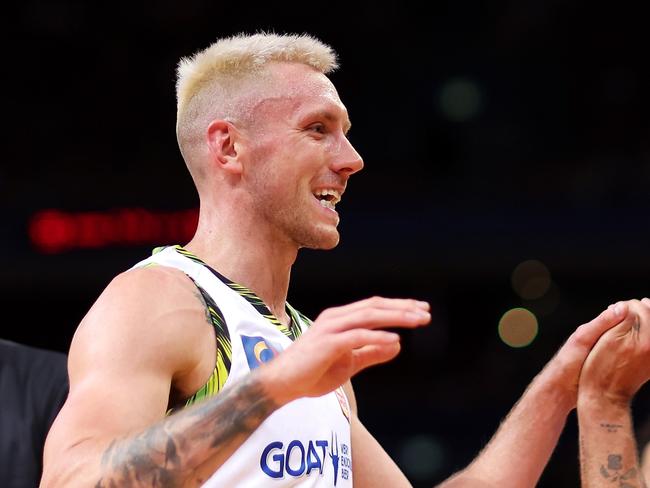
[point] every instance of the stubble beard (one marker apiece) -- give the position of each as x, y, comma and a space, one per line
295, 220
290, 217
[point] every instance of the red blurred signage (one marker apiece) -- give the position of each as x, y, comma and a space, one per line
55, 231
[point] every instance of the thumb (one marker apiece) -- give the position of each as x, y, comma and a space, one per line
618, 331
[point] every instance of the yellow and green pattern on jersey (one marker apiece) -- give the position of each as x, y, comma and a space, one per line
224, 347
224, 352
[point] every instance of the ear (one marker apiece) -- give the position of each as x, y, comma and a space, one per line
222, 140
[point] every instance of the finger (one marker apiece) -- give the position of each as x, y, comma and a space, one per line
374, 318
351, 340
371, 355
630, 322
377, 302
587, 334
643, 310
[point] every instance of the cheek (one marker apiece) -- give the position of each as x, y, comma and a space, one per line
262, 163
289, 168
261, 151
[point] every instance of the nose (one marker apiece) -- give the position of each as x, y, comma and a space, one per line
347, 161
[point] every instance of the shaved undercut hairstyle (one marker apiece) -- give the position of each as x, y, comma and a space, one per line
225, 80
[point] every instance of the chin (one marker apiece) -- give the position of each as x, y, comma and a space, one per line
326, 246
323, 240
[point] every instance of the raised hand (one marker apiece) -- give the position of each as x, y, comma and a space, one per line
620, 362
562, 372
341, 342
618, 365
528, 435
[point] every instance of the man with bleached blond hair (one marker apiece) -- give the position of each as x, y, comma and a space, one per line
192, 369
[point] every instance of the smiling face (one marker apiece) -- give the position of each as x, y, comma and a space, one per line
299, 158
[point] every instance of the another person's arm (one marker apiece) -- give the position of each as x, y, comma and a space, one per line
614, 371
143, 335
520, 449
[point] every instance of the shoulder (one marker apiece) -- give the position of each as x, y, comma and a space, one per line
152, 314
144, 291
163, 280
135, 299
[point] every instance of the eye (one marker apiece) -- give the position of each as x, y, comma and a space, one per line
319, 128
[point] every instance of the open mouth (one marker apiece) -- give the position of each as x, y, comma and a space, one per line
328, 197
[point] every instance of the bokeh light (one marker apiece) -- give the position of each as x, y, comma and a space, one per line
518, 327
460, 99
422, 457
546, 305
531, 279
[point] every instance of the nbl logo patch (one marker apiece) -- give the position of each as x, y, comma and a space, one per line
258, 350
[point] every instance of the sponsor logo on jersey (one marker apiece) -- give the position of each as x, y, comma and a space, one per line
258, 350
307, 458
334, 455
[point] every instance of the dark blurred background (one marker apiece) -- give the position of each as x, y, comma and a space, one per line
507, 150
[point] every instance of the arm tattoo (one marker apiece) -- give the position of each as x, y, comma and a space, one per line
166, 454
611, 427
613, 474
205, 306
614, 461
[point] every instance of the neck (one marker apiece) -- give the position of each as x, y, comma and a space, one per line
248, 254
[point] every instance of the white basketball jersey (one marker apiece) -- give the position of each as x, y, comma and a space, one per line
306, 443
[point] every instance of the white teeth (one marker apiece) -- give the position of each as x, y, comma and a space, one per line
328, 192
327, 204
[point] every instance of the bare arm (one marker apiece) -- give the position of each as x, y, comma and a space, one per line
608, 451
113, 424
616, 368
528, 435
143, 335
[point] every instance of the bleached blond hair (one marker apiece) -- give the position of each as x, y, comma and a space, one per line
217, 82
